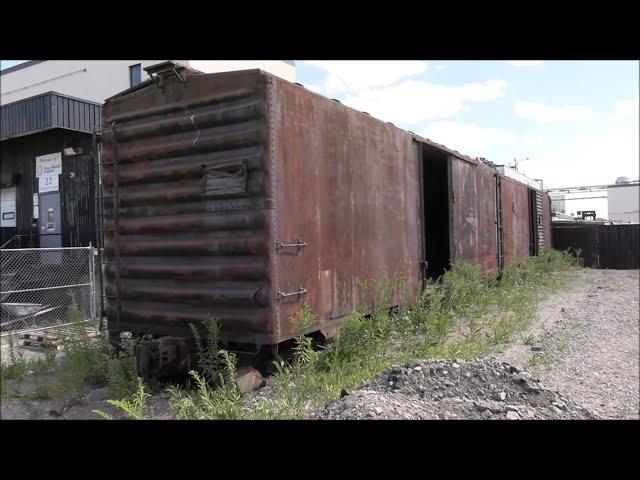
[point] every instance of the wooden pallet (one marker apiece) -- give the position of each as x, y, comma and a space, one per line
39, 341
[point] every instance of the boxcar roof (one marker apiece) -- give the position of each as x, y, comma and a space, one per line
415, 136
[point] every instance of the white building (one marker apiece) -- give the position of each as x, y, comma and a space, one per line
574, 201
97, 80
624, 200
49, 110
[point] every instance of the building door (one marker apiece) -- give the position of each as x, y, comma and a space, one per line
49, 221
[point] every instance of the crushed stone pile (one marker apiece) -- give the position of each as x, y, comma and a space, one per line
453, 389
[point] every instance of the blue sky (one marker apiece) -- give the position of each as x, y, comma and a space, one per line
9, 63
576, 121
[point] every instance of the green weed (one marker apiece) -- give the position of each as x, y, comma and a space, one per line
133, 406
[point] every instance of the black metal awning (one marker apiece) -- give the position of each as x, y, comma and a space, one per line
46, 111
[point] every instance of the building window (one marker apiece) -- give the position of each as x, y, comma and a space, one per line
135, 74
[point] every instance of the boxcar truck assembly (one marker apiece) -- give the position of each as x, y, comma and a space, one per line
243, 196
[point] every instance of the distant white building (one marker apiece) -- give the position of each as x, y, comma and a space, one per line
624, 202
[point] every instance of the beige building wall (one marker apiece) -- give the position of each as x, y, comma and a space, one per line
97, 80
624, 203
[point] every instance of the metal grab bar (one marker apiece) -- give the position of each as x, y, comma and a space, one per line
301, 291
299, 245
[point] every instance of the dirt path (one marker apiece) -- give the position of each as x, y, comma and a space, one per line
585, 342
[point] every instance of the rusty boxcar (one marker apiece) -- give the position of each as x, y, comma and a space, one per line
244, 196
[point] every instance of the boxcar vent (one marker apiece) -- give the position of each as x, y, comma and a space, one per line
225, 179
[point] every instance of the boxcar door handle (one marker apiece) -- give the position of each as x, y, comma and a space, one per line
299, 245
301, 291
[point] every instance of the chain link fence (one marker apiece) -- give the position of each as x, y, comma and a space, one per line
43, 288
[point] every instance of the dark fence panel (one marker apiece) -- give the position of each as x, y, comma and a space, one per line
601, 246
578, 237
619, 246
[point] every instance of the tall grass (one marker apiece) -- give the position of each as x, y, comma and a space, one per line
84, 362
462, 315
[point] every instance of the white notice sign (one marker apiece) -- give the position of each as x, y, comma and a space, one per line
49, 164
48, 167
48, 183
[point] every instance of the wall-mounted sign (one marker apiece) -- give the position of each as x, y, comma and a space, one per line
49, 164
48, 183
48, 167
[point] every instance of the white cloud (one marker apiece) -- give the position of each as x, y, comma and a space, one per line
467, 138
525, 63
344, 75
544, 114
628, 108
314, 87
592, 160
531, 139
440, 67
413, 101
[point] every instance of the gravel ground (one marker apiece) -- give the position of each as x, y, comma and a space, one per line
586, 342
453, 389
583, 347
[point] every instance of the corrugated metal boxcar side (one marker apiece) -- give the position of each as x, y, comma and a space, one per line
345, 184
244, 196
344, 187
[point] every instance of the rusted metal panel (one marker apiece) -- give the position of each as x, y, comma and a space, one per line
347, 185
473, 214
487, 246
515, 211
464, 217
186, 247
